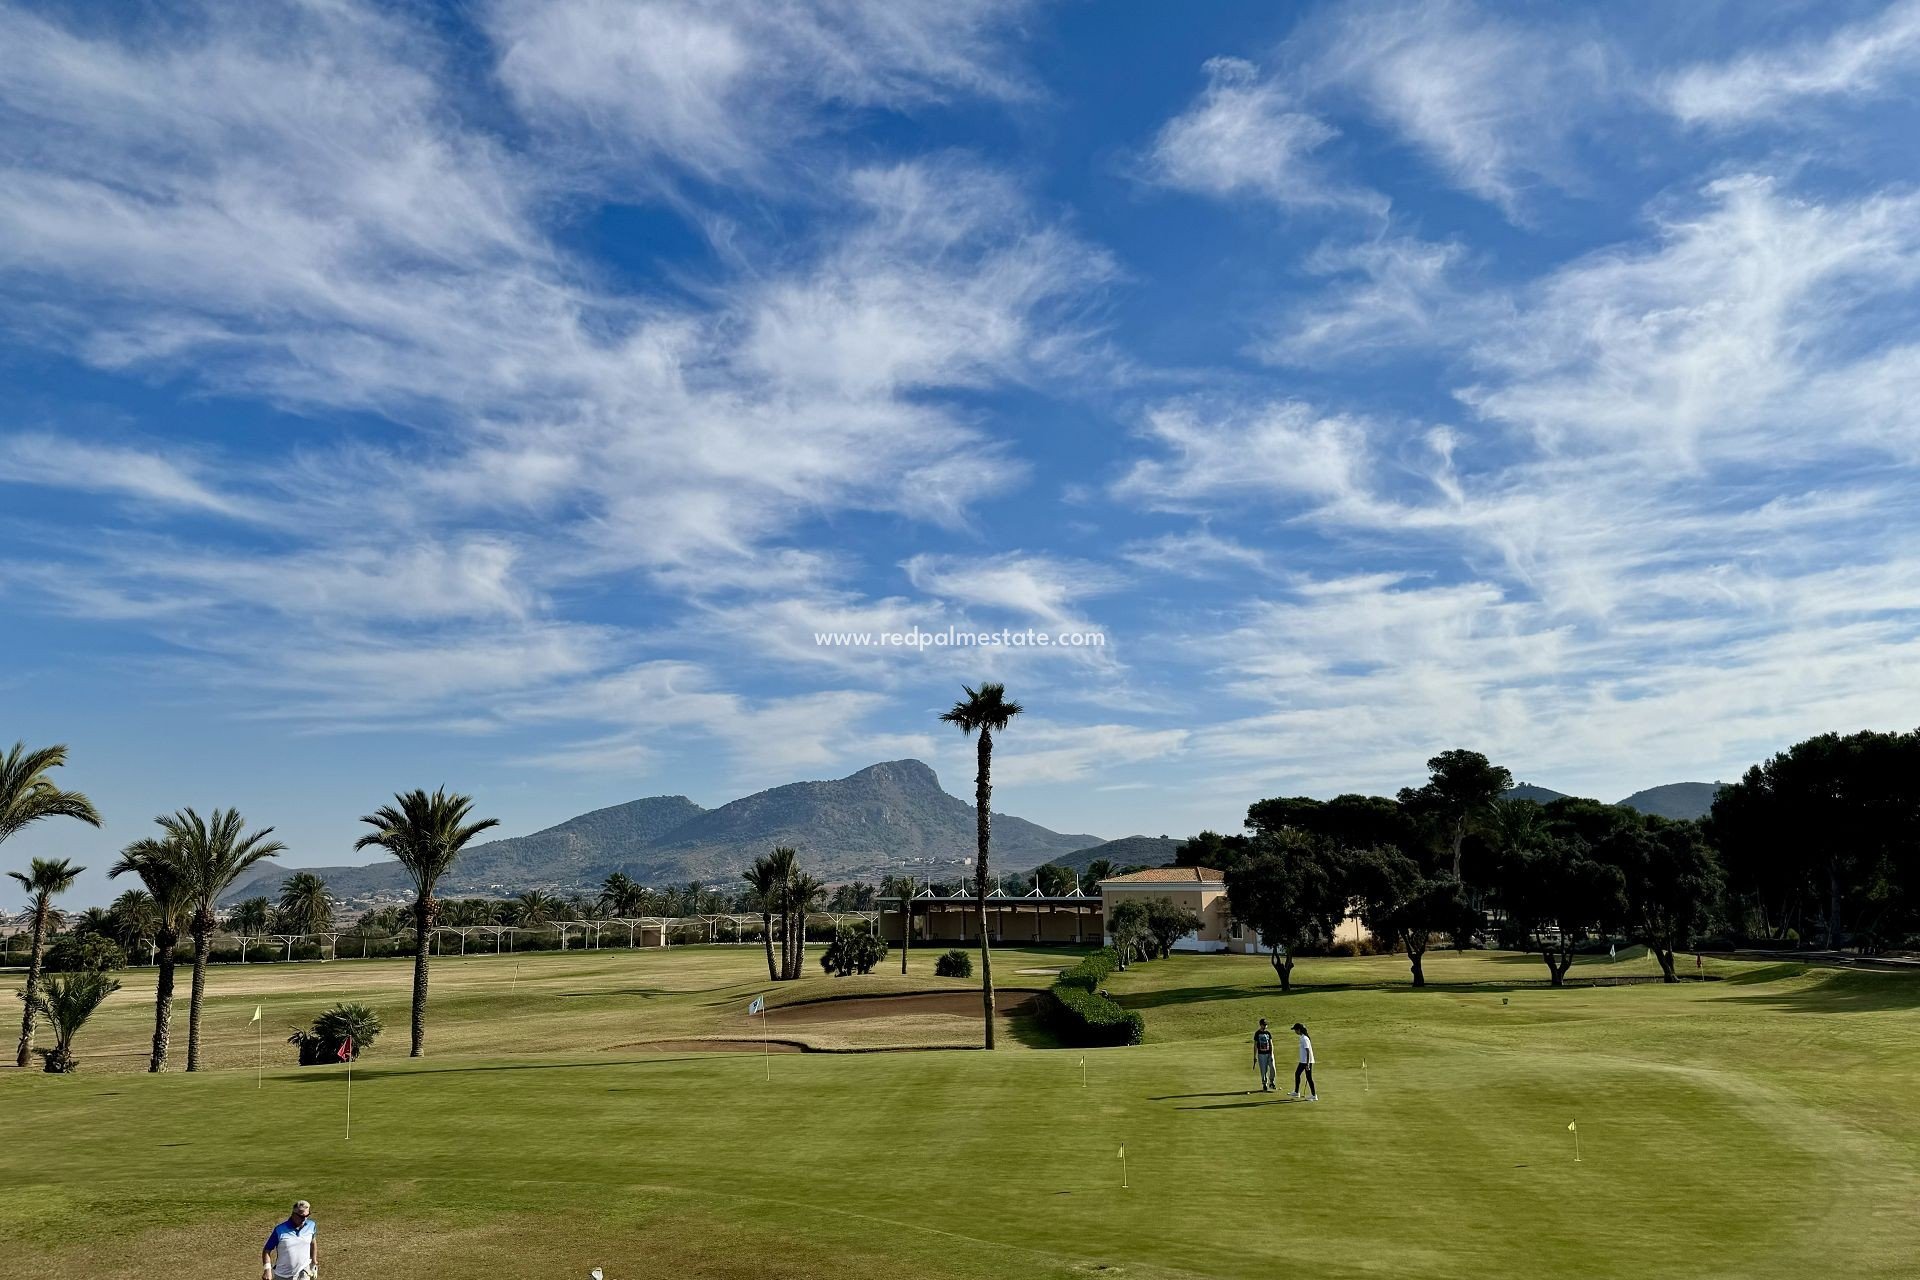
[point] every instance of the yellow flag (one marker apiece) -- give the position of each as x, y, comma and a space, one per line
1123, 1151
1572, 1127
256, 1014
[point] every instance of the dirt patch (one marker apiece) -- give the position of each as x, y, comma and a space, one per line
713, 1046
1054, 972
956, 1004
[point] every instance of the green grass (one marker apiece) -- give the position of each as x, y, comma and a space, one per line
1764, 1125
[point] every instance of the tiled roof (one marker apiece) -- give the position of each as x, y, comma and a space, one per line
1170, 875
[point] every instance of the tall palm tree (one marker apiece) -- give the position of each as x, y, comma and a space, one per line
157, 863
764, 886
213, 852
66, 1004
250, 918
27, 795
95, 920
304, 904
534, 908
425, 833
622, 896
982, 713
804, 894
44, 880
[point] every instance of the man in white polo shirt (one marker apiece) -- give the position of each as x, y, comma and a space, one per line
291, 1252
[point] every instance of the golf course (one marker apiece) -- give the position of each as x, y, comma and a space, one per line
574, 1110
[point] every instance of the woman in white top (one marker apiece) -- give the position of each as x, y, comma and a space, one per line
1306, 1065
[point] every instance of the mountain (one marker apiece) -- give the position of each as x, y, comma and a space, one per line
1127, 851
1527, 791
844, 828
1675, 799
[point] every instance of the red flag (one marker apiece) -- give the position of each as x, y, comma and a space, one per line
346, 1049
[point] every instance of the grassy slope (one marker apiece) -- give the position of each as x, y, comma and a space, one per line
1765, 1125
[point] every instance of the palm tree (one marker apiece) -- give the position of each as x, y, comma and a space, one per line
44, 880
27, 795
95, 920
213, 851
622, 896
804, 894
983, 712
157, 863
426, 833
66, 1004
250, 918
534, 908
1099, 869
133, 920
764, 886
304, 904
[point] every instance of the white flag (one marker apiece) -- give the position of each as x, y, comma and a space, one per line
1613, 952
256, 1015
1573, 1126
759, 1005
1123, 1151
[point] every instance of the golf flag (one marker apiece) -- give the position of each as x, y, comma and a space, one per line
345, 1052
1123, 1151
759, 1005
1572, 1127
1613, 952
256, 1014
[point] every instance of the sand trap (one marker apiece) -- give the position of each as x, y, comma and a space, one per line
713, 1046
1054, 972
957, 1004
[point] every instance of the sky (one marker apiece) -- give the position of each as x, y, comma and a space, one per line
503, 395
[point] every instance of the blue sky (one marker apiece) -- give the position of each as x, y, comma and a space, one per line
503, 395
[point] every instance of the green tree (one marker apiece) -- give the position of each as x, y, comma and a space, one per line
804, 894
1292, 892
981, 714
533, 909
620, 895
1097, 870
320, 1044
1130, 928
28, 795
1401, 905
44, 880
250, 918
766, 891
425, 834
305, 906
134, 919
1211, 849
213, 852
1672, 882
1556, 895
1461, 788
1168, 923
158, 865
66, 1003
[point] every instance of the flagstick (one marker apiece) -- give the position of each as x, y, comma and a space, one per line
349, 1097
766, 1045
1083, 1073
1576, 1146
1123, 1168
1366, 1080
259, 1058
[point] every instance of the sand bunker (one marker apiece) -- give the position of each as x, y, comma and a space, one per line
713, 1046
958, 1004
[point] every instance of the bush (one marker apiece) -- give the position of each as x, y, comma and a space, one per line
954, 964
321, 1044
1076, 1011
84, 953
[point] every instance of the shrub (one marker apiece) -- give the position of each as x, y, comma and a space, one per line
321, 1044
84, 953
954, 964
1076, 1011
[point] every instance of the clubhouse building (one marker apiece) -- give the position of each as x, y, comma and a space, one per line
1076, 918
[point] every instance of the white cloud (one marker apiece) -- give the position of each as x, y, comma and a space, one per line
1488, 100
1391, 293
1041, 589
1042, 752
1244, 135
58, 462
1859, 60
720, 87
1198, 553
1282, 452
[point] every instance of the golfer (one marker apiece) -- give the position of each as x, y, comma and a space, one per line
291, 1252
1306, 1065
1263, 1058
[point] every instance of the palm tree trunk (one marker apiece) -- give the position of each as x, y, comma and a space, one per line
422, 917
983, 819
201, 941
33, 981
162, 999
766, 929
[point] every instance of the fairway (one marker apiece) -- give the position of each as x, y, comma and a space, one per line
1765, 1124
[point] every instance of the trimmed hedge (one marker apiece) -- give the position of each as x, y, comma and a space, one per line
1076, 1011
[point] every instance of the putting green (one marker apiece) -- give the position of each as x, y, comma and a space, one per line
1764, 1125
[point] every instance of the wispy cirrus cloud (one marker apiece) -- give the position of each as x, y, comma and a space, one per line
1857, 60
55, 461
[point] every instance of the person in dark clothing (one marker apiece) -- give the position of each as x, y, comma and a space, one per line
1263, 1058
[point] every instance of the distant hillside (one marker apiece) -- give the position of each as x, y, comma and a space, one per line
852, 826
1678, 800
1150, 851
1539, 795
